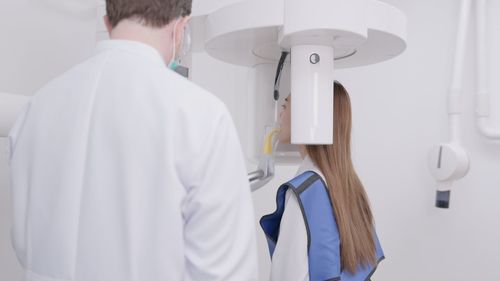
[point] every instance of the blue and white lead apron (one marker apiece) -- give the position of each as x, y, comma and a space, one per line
323, 239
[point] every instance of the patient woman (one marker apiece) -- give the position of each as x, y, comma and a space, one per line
323, 228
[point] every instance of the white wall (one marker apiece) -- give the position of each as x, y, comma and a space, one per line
399, 113
42, 38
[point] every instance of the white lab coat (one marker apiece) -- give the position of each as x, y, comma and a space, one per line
122, 170
291, 260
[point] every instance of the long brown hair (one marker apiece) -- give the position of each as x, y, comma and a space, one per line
351, 205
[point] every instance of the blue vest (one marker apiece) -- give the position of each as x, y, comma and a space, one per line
323, 241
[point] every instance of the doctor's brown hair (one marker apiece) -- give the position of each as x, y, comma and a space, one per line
351, 205
154, 13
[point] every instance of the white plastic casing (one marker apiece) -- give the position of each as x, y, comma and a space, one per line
362, 32
338, 23
312, 94
448, 163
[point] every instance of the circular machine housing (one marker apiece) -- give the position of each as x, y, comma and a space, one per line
252, 32
353, 32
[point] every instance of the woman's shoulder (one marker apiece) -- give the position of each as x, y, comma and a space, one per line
308, 166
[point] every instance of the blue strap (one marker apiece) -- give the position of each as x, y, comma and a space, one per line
322, 232
271, 223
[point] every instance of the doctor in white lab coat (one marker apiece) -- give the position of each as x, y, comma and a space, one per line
122, 170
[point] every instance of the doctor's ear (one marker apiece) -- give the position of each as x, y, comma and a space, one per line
108, 24
181, 25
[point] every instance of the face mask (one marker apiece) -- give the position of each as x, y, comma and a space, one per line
173, 65
185, 46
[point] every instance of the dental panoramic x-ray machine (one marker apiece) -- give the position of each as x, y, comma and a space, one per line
312, 37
